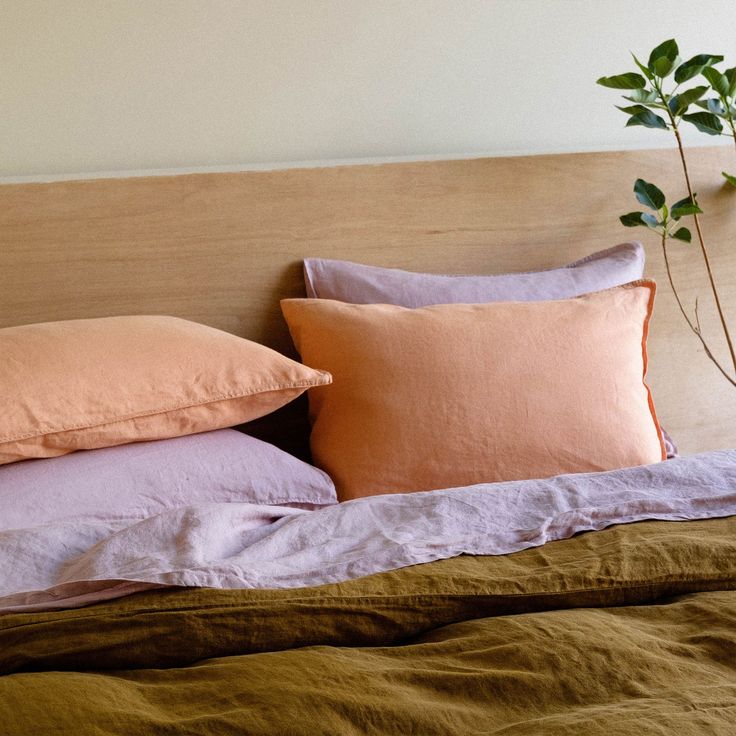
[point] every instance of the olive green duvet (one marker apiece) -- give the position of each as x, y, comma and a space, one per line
630, 630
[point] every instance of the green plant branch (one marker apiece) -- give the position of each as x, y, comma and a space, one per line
727, 113
649, 98
703, 249
701, 240
695, 327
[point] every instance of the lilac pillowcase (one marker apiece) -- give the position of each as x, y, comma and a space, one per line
356, 283
138, 480
359, 284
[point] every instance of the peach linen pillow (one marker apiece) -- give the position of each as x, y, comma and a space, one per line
92, 383
456, 394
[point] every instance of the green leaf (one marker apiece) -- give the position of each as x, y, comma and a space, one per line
648, 119
682, 234
692, 67
633, 109
637, 219
650, 221
730, 74
649, 195
647, 96
686, 206
685, 210
664, 67
705, 122
643, 68
718, 81
729, 178
630, 80
665, 52
713, 105
680, 103
686, 200
632, 219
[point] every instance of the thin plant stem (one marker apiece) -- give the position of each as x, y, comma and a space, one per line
695, 327
701, 240
704, 250
730, 120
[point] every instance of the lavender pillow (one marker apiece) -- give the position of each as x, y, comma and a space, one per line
359, 284
141, 479
356, 283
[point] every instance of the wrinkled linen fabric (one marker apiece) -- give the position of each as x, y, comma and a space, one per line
146, 478
357, 283
82, 384
456, 394
627, 631
236, 545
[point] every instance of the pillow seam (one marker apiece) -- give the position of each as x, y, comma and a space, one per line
154, 412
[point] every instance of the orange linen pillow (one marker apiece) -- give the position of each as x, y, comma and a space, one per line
456, 394
91, 383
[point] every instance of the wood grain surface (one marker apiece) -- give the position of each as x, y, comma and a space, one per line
223, 248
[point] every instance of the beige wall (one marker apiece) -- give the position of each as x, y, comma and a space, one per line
100, 85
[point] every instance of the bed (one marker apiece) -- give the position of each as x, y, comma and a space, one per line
615, 624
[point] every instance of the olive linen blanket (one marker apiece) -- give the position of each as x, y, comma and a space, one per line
628, 630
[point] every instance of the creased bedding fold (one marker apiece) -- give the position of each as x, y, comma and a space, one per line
620, 632
621, 566
245, 546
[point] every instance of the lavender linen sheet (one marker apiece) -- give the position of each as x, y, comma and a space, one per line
240, 545
358, 283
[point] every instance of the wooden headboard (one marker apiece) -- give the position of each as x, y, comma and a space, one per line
223, 248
